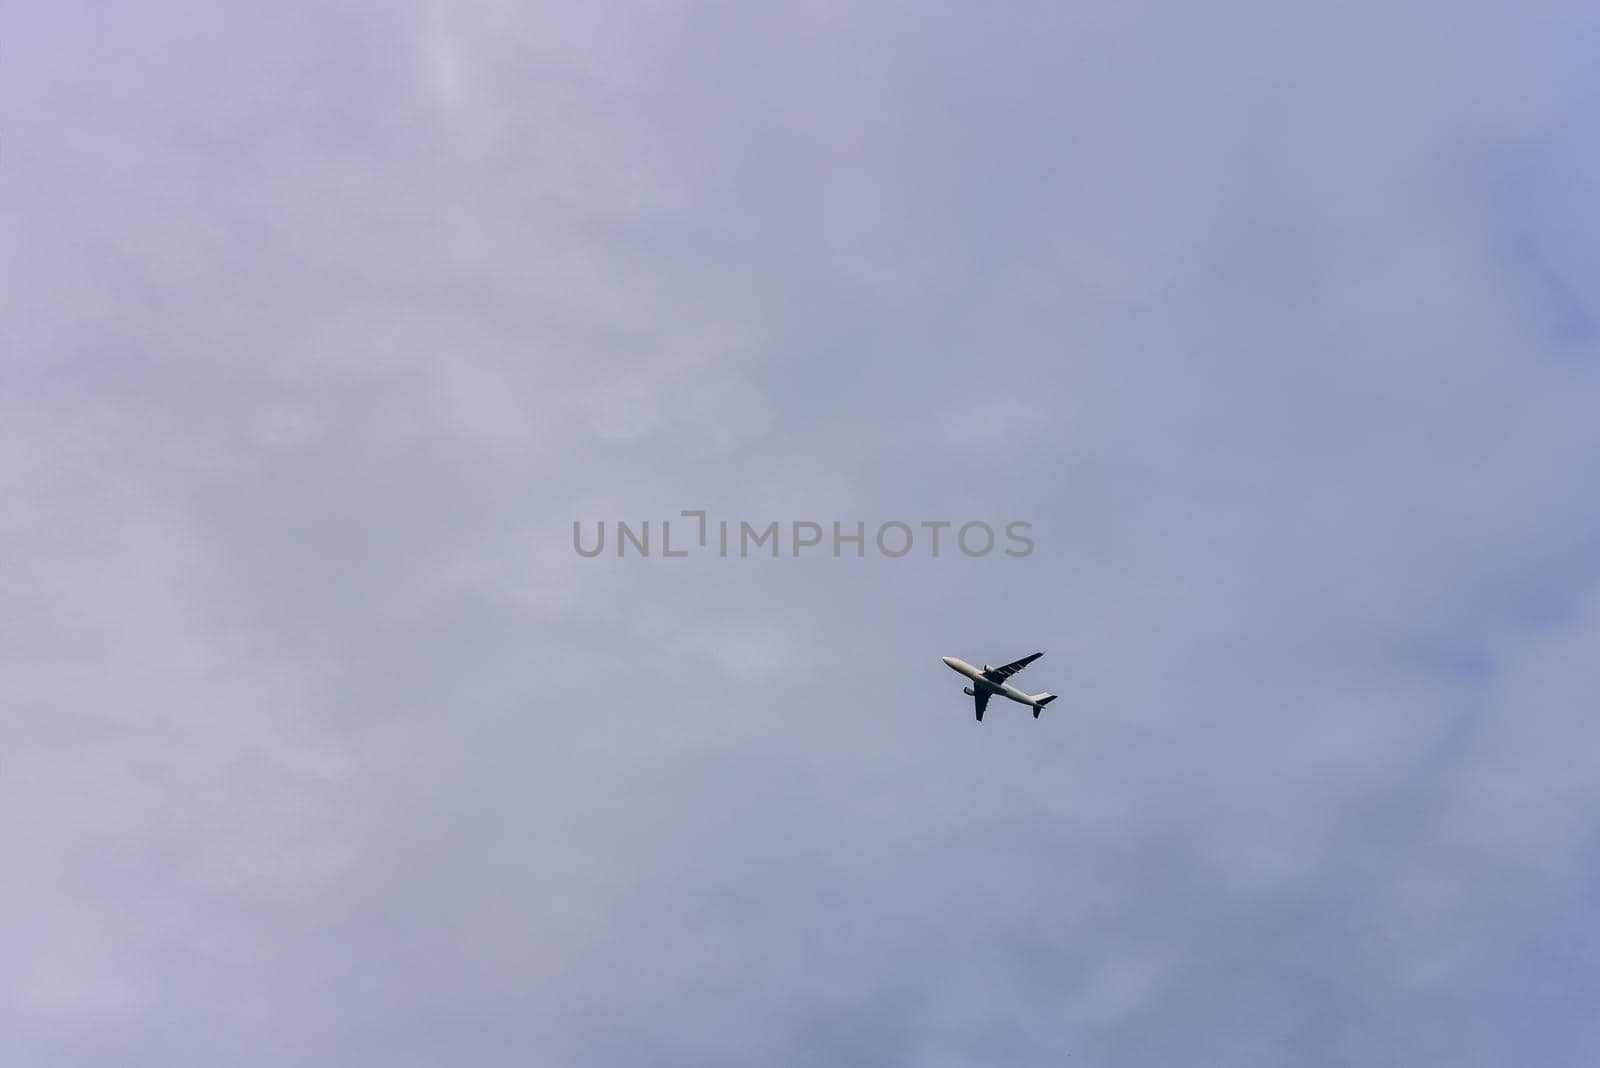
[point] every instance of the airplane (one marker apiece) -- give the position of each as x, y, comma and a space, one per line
989, 681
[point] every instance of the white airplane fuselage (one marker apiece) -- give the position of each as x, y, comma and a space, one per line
983, 684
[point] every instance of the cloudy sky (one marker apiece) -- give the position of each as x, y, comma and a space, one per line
320, 325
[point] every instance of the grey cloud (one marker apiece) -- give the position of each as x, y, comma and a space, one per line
322, 324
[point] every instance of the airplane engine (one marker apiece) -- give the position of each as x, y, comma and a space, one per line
968, 692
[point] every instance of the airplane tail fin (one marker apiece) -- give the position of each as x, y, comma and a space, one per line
1040, 700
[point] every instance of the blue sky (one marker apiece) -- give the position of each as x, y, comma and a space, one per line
321, 324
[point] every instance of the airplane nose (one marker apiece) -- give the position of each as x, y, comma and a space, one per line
946, 660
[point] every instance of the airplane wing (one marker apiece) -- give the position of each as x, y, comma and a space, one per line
1004, 672
980, 700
